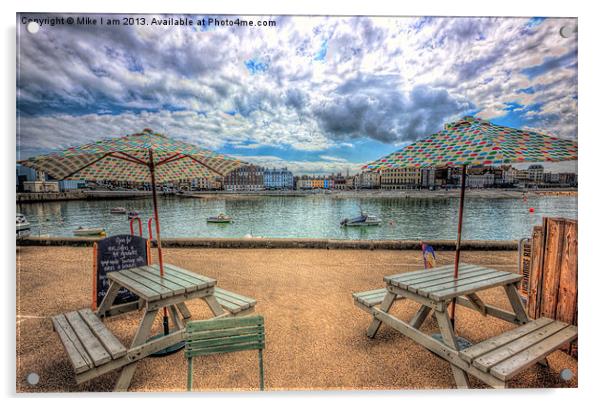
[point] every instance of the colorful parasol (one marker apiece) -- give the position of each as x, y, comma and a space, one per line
473, 141
142, 157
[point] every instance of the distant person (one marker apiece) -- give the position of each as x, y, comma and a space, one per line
428, 256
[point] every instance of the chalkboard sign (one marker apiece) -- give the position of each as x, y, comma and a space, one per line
114, 254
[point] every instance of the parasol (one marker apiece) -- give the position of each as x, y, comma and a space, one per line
474, 141
142, 157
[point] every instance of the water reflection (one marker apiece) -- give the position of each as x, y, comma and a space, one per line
315, 216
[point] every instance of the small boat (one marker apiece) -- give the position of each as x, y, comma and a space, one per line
363, 220
221, 218
84, 232
23, 226
133, 214
118, 210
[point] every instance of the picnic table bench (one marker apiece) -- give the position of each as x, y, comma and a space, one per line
493, 361
93, 350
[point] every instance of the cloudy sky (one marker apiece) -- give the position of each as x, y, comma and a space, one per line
316, 94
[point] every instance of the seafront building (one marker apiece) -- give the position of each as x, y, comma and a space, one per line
245, 179
278, 179
401, 178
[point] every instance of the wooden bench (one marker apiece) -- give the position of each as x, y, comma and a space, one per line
370, 298
233, 302
504, 356
88, 343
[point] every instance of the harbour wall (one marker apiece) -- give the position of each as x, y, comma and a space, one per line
286, 243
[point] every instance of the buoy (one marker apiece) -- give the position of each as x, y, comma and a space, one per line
531, 210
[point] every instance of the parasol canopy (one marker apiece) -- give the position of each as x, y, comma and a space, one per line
127, 159
474, 141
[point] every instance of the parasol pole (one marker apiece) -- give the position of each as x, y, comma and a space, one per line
151, 166
458, 241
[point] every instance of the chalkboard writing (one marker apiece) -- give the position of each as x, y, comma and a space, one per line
114, 254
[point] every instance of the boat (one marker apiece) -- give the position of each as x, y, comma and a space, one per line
221, 218
118, 210
133, 214
363, 220
85, 232
23, 226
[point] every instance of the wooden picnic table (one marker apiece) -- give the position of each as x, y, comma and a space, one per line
434, 289
171, 291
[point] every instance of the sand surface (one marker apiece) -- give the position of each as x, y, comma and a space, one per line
316, 337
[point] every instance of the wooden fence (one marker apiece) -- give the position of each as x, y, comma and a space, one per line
552, 282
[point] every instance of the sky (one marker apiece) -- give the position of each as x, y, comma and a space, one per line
314, 94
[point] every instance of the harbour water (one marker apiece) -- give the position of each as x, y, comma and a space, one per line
315, 216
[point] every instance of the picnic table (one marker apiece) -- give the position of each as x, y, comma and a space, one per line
94, 350
493, 361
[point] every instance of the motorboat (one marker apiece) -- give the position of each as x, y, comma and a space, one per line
118, 210
221, 218
87, 232
23, 226
363, 220
133, 214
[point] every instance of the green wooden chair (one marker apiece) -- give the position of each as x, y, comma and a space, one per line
223, 335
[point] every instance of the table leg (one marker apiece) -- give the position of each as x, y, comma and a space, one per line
516, 303
420, 316
109, 298
184, 311
214, 305
176, 317
449, 338
144, 330
384, 306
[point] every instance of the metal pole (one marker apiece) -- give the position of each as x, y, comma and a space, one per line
458, 241
158, 228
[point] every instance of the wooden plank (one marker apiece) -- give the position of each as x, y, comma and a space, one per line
109, 298
76, 353
409, 275
184, 310
175, 317
107, 339
193, 344
474, 287
159, 303
208, 325
494, 357
495, 342
143, 278
233, 297
143, 272
174, 273
551, 269
134, 286
450, 281
512, 366
229, 332
566, 308
225, 349
209, 281
537, 244
369, 292
516, 302
91, 344
425, 300
430, 277
189, 284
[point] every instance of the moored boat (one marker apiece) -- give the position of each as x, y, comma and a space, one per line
93, 231
133, 214
363, 220
118, 210
221, 218
23, 226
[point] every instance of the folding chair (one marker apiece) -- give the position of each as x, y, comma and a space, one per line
224, 335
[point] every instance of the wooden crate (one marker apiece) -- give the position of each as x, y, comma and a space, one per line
552, 282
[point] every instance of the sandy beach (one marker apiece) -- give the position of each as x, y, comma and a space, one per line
315, 336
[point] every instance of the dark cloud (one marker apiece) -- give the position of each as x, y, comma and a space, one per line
376, 107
